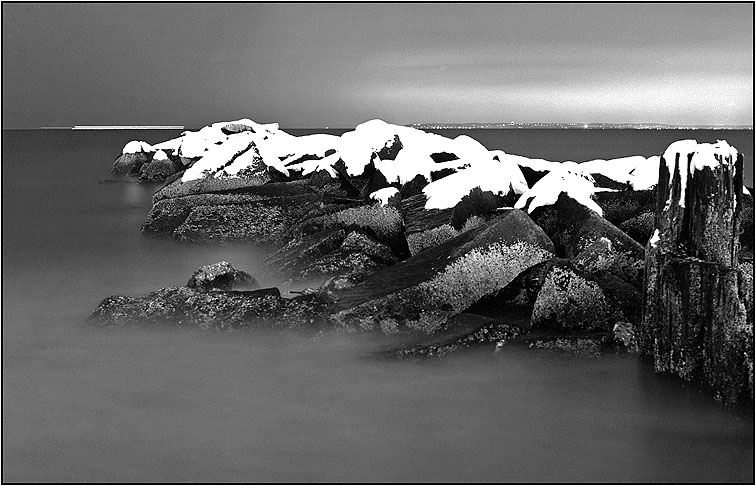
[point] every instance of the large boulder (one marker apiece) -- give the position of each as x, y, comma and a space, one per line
573, 227
223, 217
570, 300
421, 293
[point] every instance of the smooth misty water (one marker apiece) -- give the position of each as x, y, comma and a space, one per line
140, 405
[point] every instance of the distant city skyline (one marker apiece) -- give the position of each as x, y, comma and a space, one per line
337, 65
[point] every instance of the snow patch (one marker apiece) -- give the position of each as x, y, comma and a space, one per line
654, 239
497, 176
136, 146
160, 155
701, 155
568, 179
219, 156
383, 195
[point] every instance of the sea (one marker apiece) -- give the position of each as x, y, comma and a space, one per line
156, 405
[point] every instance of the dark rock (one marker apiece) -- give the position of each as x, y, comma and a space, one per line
573, 227
130, 164
291, 259
423, 292
746, 223
261, 222
252, 185
640, 228
223, 214
479, 203
232, 128
440, 157
600, 180
417, 219
221, 275
440, 174
217, 310
620, 206
391, 149
532, 176
157, 170
413, 187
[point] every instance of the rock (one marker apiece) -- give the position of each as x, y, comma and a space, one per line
421, 293
257, 185
640, 227
573, 227
461, 331
620, 206
130, 163
217, 310
222, 276
232, 128
746, 223
159, 168
602, 256
414, 187
479, 203
217, 217
589, 346
570, 300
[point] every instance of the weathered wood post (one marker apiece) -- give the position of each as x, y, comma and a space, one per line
695, 321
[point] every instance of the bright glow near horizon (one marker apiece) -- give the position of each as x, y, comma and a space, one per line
315, 65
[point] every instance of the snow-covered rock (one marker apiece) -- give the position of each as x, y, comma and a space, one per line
568, 178
218, 156
498, 176
136, 146
384, 195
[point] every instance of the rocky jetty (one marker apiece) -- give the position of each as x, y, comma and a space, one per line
434, 242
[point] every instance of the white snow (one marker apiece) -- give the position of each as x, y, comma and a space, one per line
383, 195
160, 155
136, 146
218, 156
679, 150
713, 155
746, 191
654, 238
568, 179
248, 158
492, 175
701, 155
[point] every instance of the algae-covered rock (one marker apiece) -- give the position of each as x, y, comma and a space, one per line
421, 293
220, 275
569, 300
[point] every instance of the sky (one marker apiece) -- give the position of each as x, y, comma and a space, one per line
337, 65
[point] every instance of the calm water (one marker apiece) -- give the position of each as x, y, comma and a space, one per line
138, 405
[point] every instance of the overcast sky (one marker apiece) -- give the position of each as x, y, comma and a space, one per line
316, 65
